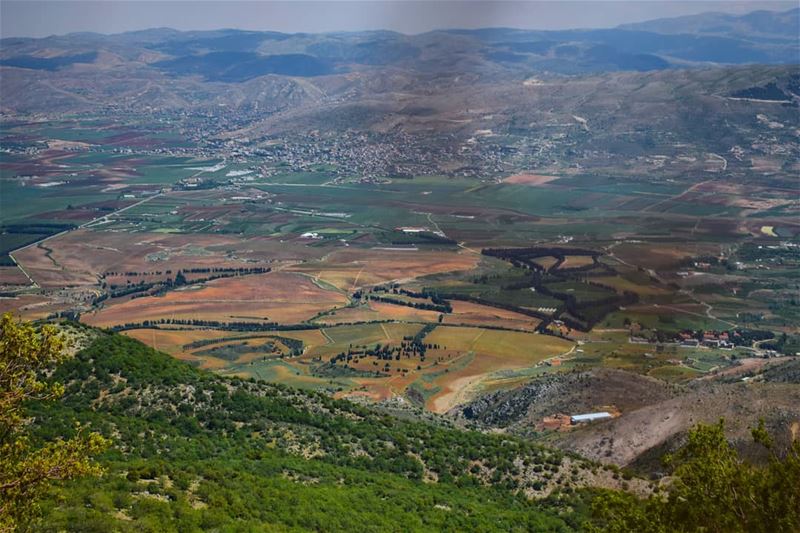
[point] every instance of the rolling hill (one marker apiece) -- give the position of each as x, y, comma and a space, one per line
195, 451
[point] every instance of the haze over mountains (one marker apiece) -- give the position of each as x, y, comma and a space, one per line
437, 83
237, 56
764, 24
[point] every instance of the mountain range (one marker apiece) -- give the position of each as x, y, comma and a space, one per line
236, 56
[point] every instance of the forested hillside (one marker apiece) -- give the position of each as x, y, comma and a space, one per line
193, 451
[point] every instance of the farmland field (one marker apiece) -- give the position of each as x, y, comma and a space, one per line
357, 248
427, 288
489, 351
336, 261
276, 297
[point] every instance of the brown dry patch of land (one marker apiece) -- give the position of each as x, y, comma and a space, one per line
743, 366
546, 262
31, 306
760, 204
529, 179
622, 440
348, 269
12, 276
457, 391
114, 175
387, 386
362, 313
310, 337
374, 310
173, 341
78, 257
484, 315
274, 297
576, 261
58, 144
723, 187
375, 390
745, 196
404, 313
661, 256
45, 268
476, 354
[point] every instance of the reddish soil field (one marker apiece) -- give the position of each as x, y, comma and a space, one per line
12, 276
661, 256
529, 179
576, 261
351, 268
31, 307
476, 314
275, 297
379, 311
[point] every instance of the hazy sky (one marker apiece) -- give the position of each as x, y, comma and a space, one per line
39, 18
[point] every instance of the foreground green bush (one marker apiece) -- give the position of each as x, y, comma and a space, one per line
712, 490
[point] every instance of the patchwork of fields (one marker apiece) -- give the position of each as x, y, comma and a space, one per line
387, 289
461, 362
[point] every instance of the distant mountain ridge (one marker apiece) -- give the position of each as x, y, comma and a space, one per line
235, 56
767, 24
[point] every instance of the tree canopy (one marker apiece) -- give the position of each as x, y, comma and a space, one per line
25, 470
712, 490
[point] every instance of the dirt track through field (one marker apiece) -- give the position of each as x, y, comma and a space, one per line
676, 197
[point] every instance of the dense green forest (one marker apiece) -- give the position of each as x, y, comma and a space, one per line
192, 451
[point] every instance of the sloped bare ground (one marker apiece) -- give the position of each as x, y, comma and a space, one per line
580, 392
655, 416
663, 424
